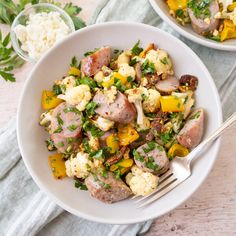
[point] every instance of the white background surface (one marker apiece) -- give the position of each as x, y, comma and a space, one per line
210, 211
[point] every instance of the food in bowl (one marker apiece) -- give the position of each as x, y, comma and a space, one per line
118, 118
214, 19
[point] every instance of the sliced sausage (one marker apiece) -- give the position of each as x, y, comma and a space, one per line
107, 189
138, 72
191, 134
93, 63
203, 27
151, 157
188, 82
168, 85
121, 110
66, 126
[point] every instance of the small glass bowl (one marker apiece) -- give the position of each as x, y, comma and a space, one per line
23, 17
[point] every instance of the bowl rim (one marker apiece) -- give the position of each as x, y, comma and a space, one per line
54, 196
202, 41
14, 40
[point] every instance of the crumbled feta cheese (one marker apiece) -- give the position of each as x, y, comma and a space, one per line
161, 60
141, 183
104, 124
110, 94
79, 166
79, 96
41, 33
126, 70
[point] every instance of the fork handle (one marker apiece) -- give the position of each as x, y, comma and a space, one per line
194, 153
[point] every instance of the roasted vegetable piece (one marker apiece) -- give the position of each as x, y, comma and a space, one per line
149, 47
123, 165
232, 6
111, 81
177, 150
127, 134
50, 100
57, 165
171, 104
177, 4
74, 71
229, 30
112, 141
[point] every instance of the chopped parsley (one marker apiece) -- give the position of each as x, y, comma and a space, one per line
195, 116
137, 156
185, 99
60, 144
72, 127
166, 137
148, 67
215, 38
151, 146
179, 13
136, 50
133, 61
59, 120
91, 52
79, 184
164, 61
90, 108
95, 132
201, 9
119, 85
97, 154
103, 173
72, 109
69, 140
151, 164
56, 89
58, 130
130, 79
88, 81
74, 62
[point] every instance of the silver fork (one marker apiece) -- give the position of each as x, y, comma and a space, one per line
179, 169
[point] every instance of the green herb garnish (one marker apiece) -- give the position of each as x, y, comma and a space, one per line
148, 67
72, 127
79, 184
137, 156
164, 61
136, 50
90, 108
133, 61
151, 146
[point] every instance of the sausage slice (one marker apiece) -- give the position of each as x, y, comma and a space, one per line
191, 134
121, 110
107, 189
168, 85
203, 27
151, 157
93, 63
66, 126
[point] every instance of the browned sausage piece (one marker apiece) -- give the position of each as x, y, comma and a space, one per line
93, 63
191, 134
121, 110
203, 27
66, 126
151, 157
107, 189
168, 85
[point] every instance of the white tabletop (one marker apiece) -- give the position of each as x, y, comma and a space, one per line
210, 211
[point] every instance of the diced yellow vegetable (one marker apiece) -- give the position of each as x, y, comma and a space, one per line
74, 71
127, 134
122, 78
144, 52
229, 30
171, 104
126, 163
112, 141
111, 81
232, 6
57, 165
124, 170
50, 100
177, 4
177, 150
114, 167
108, 83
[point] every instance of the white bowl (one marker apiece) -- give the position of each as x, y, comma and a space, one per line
54, 65
162, 10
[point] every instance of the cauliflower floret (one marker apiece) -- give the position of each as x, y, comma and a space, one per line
78, 96
161, 60
136, 96
68, 82
141, 183
104, 124
227, 15
124, 57
79, 166
152, 101
225, 3
126, 70
110, 94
